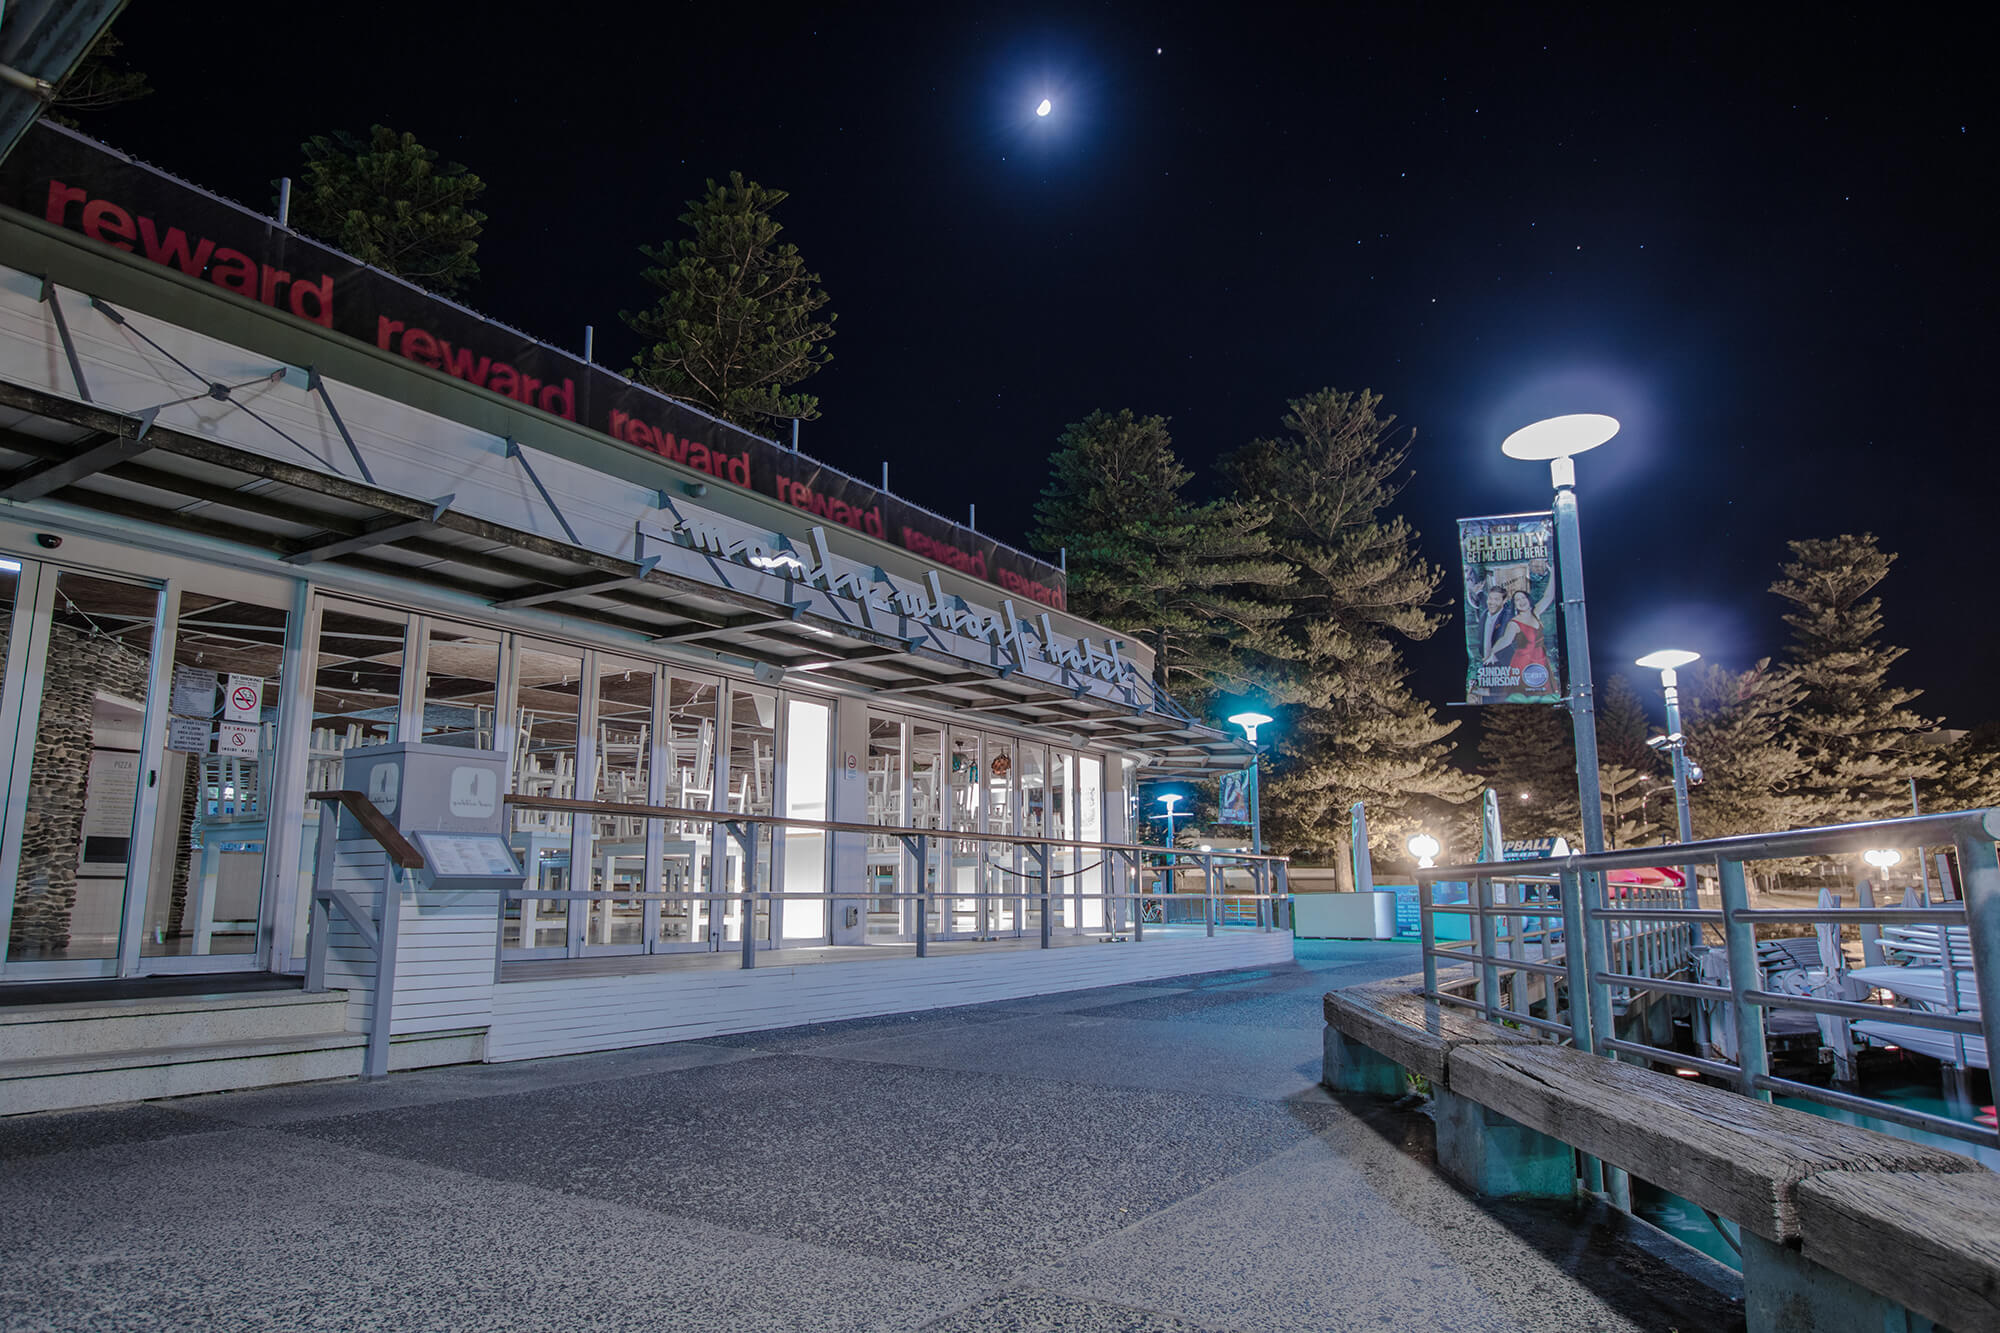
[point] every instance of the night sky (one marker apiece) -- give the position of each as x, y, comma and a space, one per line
1756, 240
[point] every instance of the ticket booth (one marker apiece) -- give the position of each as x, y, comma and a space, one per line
437, 925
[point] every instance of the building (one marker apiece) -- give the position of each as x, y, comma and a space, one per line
264, 505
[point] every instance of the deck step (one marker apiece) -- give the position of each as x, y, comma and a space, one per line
32, 1032
101, 1078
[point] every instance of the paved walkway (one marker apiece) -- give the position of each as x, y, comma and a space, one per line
1139, 1159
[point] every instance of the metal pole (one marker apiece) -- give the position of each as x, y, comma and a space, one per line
375, 1061
923, 893
1923, 867
795, 434
1741, 939
1256, 814
1425, 922
1048, 862
589, 344
885, 474
1208, 891
1979, 885
1690, 896
1582, 708
284, 201
750, 897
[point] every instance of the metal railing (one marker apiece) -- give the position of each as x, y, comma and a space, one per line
1122, 909
1619, 952
377, 931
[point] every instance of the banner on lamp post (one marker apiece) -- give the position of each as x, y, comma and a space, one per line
1513, 641
1233, 798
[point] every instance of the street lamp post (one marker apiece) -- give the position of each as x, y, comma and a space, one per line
1250, 722
1557, 441
1667, 661
1170, 800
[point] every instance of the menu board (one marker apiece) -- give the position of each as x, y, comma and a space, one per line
468, 855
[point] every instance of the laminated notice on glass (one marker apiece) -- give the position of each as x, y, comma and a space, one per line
187, 734
194, 693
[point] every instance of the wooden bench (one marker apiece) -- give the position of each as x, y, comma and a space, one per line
1929, 1240
1731, 1154
1396, 1021
1836, 1218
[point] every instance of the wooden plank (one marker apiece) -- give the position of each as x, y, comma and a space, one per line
1930, 1242
1394, 1020
1718, 1149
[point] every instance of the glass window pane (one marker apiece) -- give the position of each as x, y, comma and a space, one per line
1090, 828
927, 797
357, 676
624, 765
752, 776
461, 671
689, 760
544, 764
209, 838
886, 872
808, 759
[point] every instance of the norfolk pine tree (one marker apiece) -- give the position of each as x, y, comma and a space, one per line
1735, 722
1527, 753
737, 323
388, 202
1146, 559
1349, 727
1850, 726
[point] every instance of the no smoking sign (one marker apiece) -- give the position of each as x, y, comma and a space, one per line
244, 701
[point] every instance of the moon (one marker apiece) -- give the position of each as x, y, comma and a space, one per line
1044, 108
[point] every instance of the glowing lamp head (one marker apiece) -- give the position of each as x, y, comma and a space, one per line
1668, 659
1249, 722
1170, 800
1560, 437
1882, 857
1425, 848
1046, 107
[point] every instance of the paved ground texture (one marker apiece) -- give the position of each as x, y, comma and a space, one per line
1135, 1159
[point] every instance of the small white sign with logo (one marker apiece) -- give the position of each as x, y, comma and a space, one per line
244, 699
236, 738
385, 783
474, 792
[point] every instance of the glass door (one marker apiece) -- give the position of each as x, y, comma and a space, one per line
1003, 859
966, 879
80, 677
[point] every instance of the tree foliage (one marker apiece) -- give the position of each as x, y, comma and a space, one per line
101, 79
1349, 728
1849, 725
737, 324
1146, 558
389, 202
1528, 753
1736, 727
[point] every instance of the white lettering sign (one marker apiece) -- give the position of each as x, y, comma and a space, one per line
880, 595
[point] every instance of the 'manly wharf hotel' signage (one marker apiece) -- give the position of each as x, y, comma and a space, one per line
80, 185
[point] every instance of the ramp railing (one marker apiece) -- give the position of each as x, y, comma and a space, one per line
1637, 943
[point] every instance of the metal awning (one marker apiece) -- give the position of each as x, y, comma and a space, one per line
132, 468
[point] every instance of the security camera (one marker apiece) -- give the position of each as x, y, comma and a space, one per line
48, 541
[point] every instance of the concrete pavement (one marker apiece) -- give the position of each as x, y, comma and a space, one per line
1139, 1159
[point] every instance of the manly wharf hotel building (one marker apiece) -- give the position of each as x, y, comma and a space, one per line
353, 646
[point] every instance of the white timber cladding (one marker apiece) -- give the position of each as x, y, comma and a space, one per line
446, 948
419, 454
570, 1015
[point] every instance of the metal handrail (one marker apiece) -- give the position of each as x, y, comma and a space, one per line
1265, 868
1589, 945
377, 931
